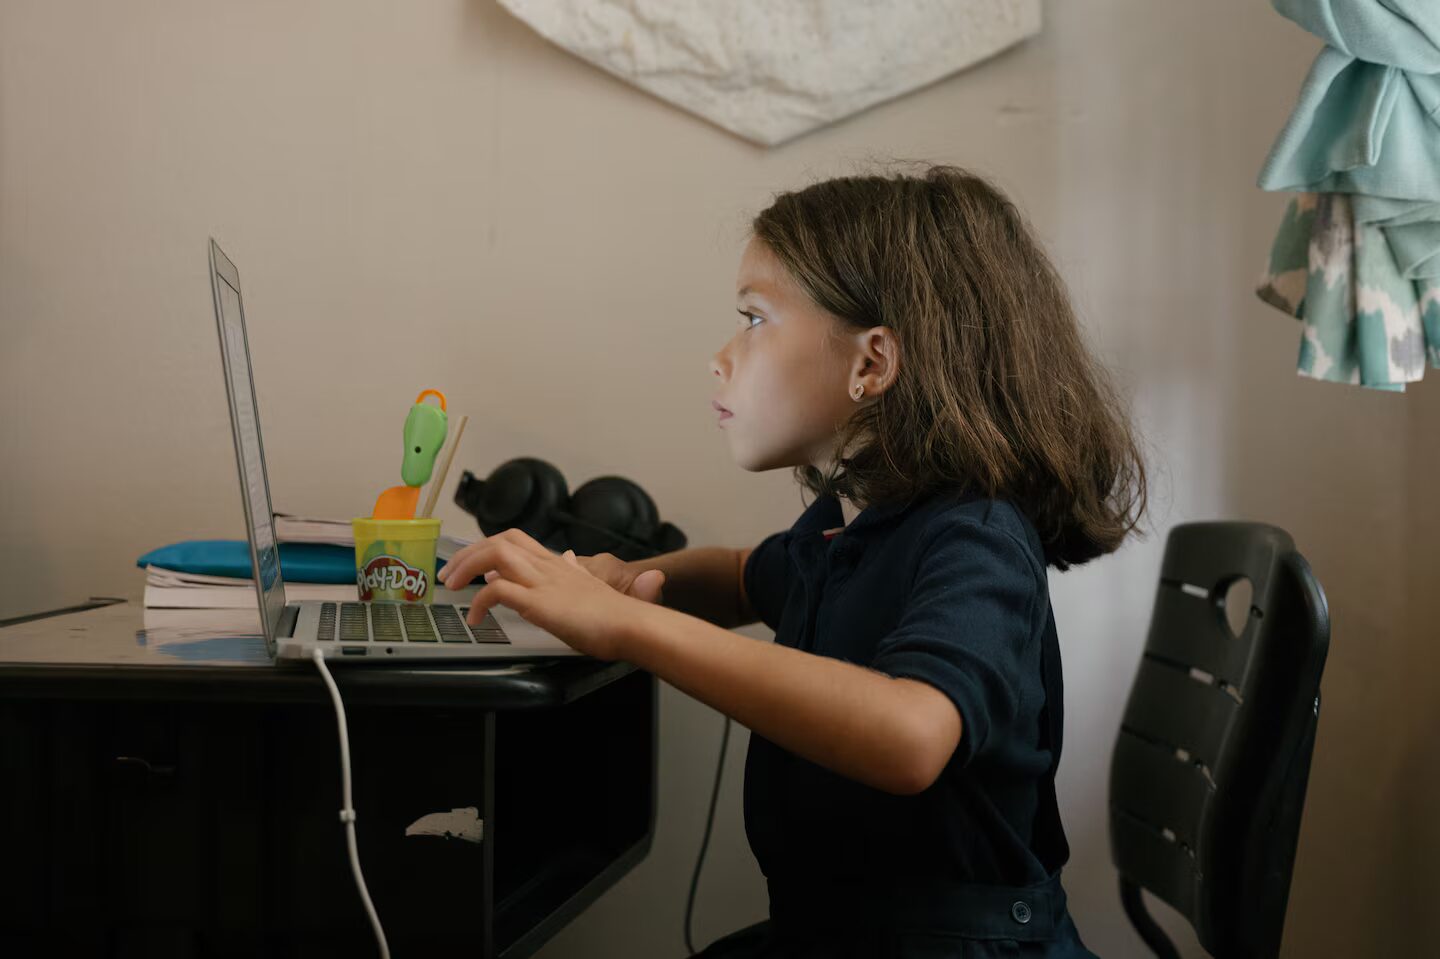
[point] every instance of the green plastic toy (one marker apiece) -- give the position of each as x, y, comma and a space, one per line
425, 430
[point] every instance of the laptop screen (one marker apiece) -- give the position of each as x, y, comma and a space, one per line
249, 451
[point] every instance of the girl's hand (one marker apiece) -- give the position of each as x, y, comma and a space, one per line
556, 593
628, 578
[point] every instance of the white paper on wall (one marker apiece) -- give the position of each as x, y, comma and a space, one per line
770, 70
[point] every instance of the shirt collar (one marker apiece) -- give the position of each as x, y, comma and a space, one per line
825, 514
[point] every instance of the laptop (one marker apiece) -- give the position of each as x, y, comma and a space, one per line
376, 632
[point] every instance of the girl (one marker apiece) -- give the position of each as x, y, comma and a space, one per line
909, 350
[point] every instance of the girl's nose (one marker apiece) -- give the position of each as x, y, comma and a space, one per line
718, 366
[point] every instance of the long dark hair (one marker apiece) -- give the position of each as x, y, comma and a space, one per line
997, 393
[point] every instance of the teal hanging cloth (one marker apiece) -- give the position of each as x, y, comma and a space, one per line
1357, 255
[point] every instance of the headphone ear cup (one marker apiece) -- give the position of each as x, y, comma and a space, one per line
615, 504
523, 494
668, 538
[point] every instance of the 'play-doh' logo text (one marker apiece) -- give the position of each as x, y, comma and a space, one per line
394, 574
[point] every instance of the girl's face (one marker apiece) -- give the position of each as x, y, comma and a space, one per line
786, 374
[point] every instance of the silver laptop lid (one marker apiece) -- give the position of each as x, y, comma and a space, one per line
249, 450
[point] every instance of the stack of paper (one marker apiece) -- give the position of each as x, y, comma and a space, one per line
172, 589
306, 529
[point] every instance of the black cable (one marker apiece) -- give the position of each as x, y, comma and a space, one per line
705, 843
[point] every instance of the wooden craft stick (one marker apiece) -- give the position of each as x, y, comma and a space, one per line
444, 469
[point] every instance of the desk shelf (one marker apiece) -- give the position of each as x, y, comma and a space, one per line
217, 833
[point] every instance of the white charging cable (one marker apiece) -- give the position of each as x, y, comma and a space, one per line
347, 814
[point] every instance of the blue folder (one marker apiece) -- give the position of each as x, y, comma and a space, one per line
299, 562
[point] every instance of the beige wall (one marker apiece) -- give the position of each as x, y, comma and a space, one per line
429, 195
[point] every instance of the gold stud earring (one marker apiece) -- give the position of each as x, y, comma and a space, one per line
858, 391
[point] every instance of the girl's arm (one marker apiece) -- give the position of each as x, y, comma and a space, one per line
704, 581
892, 734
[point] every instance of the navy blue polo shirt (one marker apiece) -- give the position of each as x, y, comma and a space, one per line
950, 591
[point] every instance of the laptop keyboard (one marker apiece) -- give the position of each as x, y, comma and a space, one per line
402, 623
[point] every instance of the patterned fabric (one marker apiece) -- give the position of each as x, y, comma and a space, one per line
1366, 321
1357, 255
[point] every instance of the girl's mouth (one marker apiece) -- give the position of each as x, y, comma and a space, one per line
724, 413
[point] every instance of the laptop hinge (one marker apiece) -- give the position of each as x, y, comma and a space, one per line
288, 617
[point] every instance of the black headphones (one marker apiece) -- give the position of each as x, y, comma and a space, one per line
607, 513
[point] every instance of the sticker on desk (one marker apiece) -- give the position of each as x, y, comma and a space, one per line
464, 823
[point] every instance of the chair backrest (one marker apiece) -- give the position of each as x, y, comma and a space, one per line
1207, 781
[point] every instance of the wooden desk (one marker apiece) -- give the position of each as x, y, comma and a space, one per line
173, 792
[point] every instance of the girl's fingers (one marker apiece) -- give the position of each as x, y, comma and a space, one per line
500, 592
459, 557
511, 561
523, 540
569, 554
530, 543
516, 537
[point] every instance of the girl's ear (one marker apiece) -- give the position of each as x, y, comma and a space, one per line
877, 360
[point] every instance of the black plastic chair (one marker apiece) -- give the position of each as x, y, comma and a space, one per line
1207, 782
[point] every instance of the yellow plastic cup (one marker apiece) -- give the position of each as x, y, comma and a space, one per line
395, 559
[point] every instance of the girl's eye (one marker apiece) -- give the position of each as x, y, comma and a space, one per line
749, 317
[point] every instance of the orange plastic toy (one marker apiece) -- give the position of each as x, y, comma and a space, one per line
397, 502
